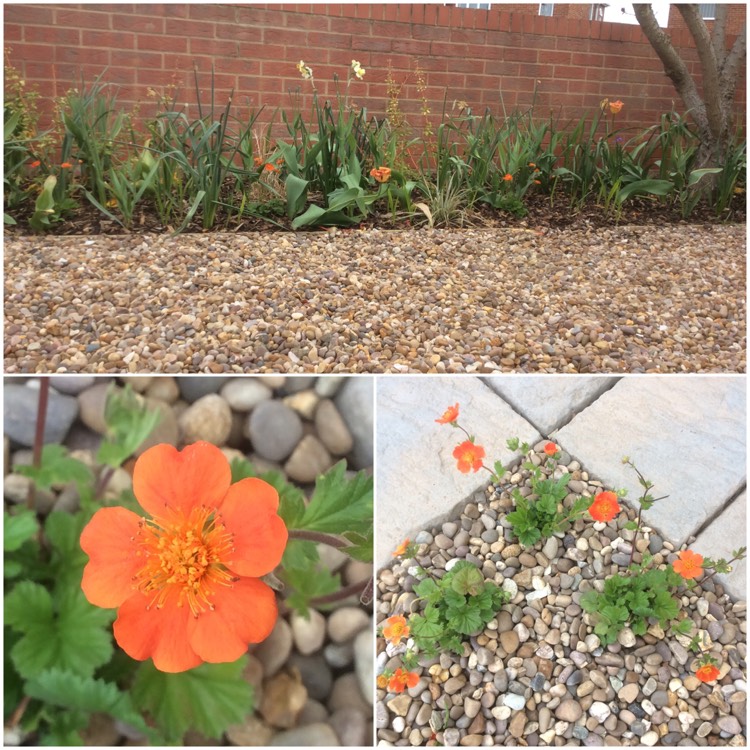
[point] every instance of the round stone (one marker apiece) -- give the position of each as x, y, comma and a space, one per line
569, 710
274, 430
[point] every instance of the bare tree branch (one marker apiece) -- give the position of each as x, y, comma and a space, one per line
718, 37
711, 86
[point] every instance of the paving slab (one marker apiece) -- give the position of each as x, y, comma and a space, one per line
686, 434
417, 483
549, 402
724, 534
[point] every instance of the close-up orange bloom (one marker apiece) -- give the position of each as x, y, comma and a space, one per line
689, 564
508, 178
186, 579
395, 629
271, 168
401, 549
258, 161
605, 507
401, 679
532, 165
469, 456
36, 163
381, 174
66, 165
615, 107
550, 449
449, 415
707, 673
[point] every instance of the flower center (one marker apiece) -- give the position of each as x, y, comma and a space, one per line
184, 556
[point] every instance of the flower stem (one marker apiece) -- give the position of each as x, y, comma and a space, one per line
635, 535
317, 536
708, 578
41, 418
343, 593
102, 481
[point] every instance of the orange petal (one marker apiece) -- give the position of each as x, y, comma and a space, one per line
260, 536
108, 576
160, 634
167, 479
243, 613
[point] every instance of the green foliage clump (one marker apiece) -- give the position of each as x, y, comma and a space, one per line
459, 604
632, 600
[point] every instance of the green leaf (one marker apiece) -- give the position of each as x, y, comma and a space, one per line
426, 627
500, 470
308, 583
529, 537
631, 526
428, 589
360, 547
208, 698
56, 468
467, 621
300, 554
296, 195
466, 579
665, 606
73, 692
339, 505
19, 528
645, 187
74, 637
129, 422
291, 498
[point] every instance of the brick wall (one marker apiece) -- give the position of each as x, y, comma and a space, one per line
488, 58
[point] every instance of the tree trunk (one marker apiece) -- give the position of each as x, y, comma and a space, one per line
712, 112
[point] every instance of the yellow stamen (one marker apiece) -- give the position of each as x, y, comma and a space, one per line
185, 554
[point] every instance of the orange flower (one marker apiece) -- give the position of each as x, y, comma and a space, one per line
532, 165
689, 565
66, 165
381, 174
271, 168
382, 681
449, 415
707, 673
605, 506
469, 456
537, 182
186, 579
550, 449
258, 161
400, 680
396, 629
508, 178
35, 163
401, 549
615, 107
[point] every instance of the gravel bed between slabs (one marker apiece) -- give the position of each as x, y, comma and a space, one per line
619, 299
538, 675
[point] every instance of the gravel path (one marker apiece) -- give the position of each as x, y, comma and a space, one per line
623, 299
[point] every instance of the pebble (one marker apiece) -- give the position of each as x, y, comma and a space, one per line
209, 418
308, 460
332, 429
569, 710
274, 430
308, 632
243, 394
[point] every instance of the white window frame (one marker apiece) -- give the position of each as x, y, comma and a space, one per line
551, 7
710, 13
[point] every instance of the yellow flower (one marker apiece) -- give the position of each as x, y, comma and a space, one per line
615, 107
112, 203
305, 70
358, 70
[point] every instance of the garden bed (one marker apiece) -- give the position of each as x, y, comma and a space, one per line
521, 298
538, 674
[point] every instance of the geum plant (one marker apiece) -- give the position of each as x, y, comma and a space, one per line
645, 595
192, 566
541, 513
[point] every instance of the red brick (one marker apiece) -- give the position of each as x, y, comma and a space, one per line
235, 32
82, 19
371, 44
80, 55
162, 43
201, 29
51, 35
113, 40
140, 24
210, 12
33, 15
132, 59
315, 22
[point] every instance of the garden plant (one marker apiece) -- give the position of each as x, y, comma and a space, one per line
340, 165
142, 606
472, 626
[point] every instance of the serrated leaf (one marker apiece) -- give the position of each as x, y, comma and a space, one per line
529, 537
26, 605
129, 422
426, 627
467, 621
19, 528
427, 589
208, 698
360, 547
340, 505
291, 498
300, 554
665, 607
59, 687
631, 525
75, 637
56, 468
304, 584
466, 578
